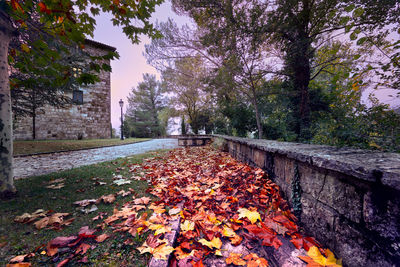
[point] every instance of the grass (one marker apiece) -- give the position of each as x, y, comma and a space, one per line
45, 146
17, 239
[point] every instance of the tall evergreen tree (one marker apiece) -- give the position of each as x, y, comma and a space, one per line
144, 104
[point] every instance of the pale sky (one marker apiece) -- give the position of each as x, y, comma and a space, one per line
127, 71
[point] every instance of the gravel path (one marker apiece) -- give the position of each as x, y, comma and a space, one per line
48, 163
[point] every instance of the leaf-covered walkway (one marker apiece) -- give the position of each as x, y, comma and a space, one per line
228, 214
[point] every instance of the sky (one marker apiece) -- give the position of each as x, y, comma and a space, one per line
128, 70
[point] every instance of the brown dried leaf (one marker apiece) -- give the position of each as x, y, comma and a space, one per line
101, 238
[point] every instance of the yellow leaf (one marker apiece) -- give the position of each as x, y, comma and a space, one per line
162, 251
317, 257
25, 48
253, 216
187, 226
214, 243
162, 230
218, 252
228, 232
331, 260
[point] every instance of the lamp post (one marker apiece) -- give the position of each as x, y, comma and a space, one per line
121, 104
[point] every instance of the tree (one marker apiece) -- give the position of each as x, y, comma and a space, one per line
144, 105
70, 21
185, 82
183, 126
232, 32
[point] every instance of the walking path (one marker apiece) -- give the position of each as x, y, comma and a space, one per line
48, 163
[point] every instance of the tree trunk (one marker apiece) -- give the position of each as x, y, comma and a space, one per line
34, 125
258, 120
7, 188
302, 72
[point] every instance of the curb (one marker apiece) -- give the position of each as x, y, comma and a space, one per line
80, 149
171, 238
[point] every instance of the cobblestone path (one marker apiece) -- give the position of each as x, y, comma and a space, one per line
48, 163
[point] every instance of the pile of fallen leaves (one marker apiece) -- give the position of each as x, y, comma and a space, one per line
228, 212
222, 204
45, 219
65, 248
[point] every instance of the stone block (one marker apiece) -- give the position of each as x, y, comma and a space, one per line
284, 173
259, 158
318, 219
381, 208
327, 187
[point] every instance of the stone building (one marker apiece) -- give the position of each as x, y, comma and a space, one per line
89, 117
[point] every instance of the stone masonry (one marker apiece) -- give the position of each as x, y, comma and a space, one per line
349, 199
89, 120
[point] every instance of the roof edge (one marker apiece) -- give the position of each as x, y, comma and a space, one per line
99, 45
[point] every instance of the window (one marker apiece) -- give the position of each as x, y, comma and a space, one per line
77, 97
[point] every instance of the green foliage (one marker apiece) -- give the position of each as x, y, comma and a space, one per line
313, 92
145, 102
51, 35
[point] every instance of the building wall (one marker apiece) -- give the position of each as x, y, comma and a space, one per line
90, 120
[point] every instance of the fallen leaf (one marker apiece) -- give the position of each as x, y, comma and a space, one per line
101, 238
82, 249
161, 252
254, 261
85, 202
20, 264
228, 232
55, 186
85, 231
89, 210
62, 241
42, 223
235, 258
317, 257
174, 211
160, 228
124, 193
27, 217
142, 200
187, 226
19, 258
214, 243
63, 263
121, 182
108, 199
56, 181
157, 209
253, 216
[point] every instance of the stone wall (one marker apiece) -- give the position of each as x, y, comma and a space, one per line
89, 120
349, 199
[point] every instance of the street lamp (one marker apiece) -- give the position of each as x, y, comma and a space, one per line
121, 104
